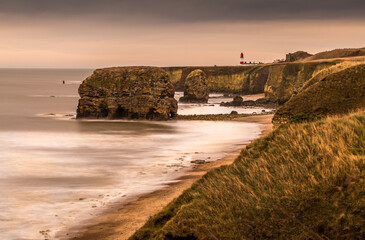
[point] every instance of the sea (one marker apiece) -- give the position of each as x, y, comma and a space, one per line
56, 171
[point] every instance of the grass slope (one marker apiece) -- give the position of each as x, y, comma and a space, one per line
338, 53
337, 93
303, 181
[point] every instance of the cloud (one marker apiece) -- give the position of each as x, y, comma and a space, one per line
185, 11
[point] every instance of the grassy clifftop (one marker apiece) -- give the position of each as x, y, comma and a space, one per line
338, 53
303, 181
337, 93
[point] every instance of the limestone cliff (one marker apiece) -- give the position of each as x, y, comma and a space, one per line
286, 79
127, 92
255, 80
224, 79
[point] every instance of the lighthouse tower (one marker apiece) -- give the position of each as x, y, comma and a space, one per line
242, 59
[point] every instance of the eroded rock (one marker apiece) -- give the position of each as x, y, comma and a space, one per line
196, 88
127, 92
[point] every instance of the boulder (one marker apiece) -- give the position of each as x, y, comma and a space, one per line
196, 88
127, 93
237, 100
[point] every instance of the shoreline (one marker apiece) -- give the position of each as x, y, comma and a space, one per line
121, 221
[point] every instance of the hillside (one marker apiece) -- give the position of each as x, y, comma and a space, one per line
303, 181
336, 93
287, 78
338, 53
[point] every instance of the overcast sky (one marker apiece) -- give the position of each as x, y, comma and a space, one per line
95, 33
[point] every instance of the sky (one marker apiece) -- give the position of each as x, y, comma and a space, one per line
103, 33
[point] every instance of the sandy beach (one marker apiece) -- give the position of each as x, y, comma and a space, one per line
121, 221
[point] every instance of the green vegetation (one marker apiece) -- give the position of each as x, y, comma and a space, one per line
338, 93
302, 181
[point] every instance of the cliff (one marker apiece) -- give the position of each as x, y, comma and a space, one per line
279, 81
285, 79
127, 92
337, 93
225, 79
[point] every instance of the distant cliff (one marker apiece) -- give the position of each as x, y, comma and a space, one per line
279, 81
225, 79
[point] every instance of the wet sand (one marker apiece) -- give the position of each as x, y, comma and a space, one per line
121, 221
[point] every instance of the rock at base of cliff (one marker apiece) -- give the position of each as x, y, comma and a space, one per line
196, 88
127, 93
238, 102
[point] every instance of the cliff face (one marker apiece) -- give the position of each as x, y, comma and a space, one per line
227, 79
286, 79
127, 92
255, 80
338, 93
279, 81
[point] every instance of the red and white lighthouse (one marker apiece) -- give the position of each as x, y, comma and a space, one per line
242, 59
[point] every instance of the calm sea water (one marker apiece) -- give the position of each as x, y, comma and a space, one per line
57, 171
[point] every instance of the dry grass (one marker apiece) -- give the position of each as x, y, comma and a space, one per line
337, 93
303, 181
338, 53
341, 65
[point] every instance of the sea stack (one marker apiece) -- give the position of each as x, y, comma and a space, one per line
127, 93
195, 88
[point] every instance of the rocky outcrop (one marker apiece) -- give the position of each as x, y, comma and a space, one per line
296, 56
238, 102
196, 88
127, 93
